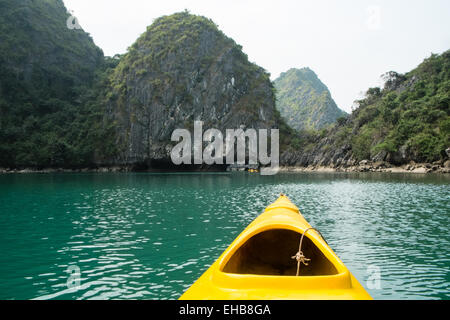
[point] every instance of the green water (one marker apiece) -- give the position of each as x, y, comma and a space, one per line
150, 236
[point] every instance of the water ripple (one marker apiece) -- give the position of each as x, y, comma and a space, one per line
149, 236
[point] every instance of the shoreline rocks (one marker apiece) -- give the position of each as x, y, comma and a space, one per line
368, 166
362, 166
66, 170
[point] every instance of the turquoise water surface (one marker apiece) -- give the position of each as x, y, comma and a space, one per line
150, 236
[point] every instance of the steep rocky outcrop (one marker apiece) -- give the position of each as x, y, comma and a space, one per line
304, 101
184, 69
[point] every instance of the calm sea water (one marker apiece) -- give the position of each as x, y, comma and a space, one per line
150, 236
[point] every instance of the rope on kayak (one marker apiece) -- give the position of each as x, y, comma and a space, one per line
299, 256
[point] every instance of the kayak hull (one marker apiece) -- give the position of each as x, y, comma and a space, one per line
258, 264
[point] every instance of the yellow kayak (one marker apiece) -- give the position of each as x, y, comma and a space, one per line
278, 256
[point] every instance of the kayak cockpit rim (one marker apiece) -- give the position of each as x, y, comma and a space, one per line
272, 246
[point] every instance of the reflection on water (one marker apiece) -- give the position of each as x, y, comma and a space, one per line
150, 236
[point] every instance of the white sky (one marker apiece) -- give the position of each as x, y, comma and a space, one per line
349, 44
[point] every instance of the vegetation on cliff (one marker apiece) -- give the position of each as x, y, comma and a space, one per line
406, 120
50, 84
304, 101
409, 119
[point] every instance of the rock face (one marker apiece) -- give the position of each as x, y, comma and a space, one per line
304, 101
184, 69
322, 151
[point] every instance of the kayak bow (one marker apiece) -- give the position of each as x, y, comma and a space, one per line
262, 263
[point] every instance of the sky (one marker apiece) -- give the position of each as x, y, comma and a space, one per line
348, 43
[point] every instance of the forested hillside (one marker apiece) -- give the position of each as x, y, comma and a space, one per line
406, 120
50, 81
304, 101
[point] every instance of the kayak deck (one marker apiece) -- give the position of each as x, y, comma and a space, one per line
258, 265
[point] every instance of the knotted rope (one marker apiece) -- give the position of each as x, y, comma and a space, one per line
299, 256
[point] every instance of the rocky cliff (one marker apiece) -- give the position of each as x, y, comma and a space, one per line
183, 69
304, 101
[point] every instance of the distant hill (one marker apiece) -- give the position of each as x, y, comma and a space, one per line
304, 101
